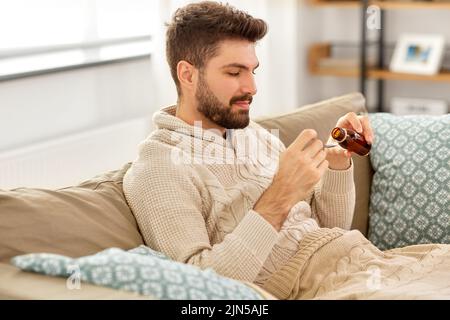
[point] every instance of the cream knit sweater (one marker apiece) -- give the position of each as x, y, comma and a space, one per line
192, 193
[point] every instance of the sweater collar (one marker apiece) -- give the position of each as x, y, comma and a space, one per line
237, 147
165, 119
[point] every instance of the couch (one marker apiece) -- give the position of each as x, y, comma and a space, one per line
92, 216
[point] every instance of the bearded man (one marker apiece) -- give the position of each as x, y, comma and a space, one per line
224, 205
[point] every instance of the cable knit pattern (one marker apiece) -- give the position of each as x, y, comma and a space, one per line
297, 224
335, 264
192, 193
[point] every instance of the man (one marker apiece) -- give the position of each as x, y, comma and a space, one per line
233, 215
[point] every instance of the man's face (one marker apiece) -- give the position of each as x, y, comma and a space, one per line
226, 85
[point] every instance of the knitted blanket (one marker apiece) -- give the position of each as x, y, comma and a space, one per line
339, 264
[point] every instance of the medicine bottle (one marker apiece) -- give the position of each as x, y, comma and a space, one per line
351, 140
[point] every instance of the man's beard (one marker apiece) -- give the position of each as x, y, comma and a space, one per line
217, 112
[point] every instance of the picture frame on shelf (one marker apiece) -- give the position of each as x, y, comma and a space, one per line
418, 54
413, 106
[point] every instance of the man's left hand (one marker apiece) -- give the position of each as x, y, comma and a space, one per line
338, 157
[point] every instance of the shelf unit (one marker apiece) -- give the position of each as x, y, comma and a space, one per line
378, 73
323, 50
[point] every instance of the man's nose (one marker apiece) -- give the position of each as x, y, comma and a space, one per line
249, 85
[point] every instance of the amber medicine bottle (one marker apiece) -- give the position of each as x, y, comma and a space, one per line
351, 140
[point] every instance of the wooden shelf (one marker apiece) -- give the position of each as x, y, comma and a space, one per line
383, 4
339, 4
411, 5
443, 76
320, 51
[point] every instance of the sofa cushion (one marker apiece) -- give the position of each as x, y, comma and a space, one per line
322, 117
74, 221
410, 199
141, 270
18, 285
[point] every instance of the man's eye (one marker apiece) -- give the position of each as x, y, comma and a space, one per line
233, 74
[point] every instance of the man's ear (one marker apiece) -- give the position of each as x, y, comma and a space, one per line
186, 74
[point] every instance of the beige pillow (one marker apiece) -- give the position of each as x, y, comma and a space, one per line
74, 221
322, 116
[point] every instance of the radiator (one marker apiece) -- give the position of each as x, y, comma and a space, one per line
71, 159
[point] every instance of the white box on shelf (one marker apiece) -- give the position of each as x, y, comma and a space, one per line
409, 106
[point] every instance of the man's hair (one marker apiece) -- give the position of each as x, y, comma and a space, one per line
195, 31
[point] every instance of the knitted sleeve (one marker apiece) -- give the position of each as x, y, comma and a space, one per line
167, 203
333, 200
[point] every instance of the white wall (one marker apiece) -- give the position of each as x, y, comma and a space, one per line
69, 160
279, 90
39, 108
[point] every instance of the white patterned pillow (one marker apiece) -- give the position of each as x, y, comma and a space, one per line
140, 270
410, 195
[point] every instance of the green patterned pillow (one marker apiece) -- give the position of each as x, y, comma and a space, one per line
140, 270
410, 195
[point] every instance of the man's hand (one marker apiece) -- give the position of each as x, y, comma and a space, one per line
339, 158
301, 166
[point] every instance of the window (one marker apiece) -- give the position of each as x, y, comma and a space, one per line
47, 35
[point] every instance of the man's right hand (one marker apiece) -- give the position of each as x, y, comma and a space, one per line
300, 168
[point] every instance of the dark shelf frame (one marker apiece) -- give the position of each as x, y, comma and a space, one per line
363, 55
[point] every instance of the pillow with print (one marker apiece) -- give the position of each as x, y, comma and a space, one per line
140, 270
410, 192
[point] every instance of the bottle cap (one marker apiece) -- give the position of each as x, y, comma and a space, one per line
339, 134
